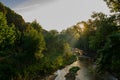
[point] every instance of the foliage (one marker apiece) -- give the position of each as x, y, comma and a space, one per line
83, 42
2, 8
74, 69
109, 54
7, 34
33, 42
29, 52
104, 27
98, 36
72, 73
57, 49
71, 35
114, 5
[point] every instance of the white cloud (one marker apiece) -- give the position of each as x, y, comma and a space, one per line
31, 4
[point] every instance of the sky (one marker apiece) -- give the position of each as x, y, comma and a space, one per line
56, 14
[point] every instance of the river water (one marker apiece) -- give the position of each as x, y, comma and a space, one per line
83, 74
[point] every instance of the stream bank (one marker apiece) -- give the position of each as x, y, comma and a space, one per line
86, 71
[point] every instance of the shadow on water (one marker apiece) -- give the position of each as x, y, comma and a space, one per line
86, 71
83, 74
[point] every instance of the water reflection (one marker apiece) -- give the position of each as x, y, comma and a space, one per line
82, 74
61, 73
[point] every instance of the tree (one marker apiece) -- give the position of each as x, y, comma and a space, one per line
114, 5
36, 26
104, 26
109, 55
7, 34
2, 8
83, 42
71, 35
33, 42
105, 41
15, 18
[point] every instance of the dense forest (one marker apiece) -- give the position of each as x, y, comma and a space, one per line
29, 52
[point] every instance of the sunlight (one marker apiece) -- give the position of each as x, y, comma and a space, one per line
81, 26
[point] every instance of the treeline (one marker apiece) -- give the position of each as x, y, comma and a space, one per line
100, 38
27, 51
101, 41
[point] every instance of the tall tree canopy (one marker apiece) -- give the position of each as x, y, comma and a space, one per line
114, 5
7, 34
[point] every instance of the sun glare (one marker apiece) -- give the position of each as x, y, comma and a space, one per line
81, 26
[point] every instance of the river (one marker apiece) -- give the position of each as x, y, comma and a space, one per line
85, 72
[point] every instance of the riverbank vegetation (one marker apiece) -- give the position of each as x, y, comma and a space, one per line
72, 73
29, 52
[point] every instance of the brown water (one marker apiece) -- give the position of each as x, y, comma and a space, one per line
85, 72
82, 74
